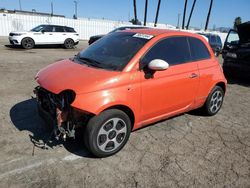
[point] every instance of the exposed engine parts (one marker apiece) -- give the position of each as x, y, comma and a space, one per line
56, 110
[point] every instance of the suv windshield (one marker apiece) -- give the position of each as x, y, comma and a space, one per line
38, 28
114, 51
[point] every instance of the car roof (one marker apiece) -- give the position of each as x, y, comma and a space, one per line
158, 32
56, 25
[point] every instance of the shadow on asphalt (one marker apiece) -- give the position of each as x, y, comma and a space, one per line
24, 116
18, 47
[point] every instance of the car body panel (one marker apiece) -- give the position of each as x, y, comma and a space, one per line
169, 92
43, 38
80, 78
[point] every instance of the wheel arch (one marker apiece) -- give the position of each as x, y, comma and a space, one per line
125, 109
68, 39
28, 37
222, 85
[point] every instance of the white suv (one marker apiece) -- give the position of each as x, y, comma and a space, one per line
45, 34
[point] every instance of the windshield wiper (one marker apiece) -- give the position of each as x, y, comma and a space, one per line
91, 62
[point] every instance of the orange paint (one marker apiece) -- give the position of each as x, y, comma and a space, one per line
168, 93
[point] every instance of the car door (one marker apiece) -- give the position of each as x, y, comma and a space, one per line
173, 90
207, 66
46, 36
59, 35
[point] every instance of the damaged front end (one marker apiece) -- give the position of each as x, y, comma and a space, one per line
57, 111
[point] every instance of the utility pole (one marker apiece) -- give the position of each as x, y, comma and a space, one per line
75, 9
145, 12
178, 21
135, 12
184, 14
52, 8
208, 15
157, 12
191, 13
20, 5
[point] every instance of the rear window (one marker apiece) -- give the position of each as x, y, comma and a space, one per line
198, 49
213, 39
69, 29
219, 40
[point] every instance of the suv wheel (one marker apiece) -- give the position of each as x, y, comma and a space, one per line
214, 101
28, 43
68, 43
107, 133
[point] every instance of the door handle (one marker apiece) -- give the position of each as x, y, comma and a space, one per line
64, 34
193, 75
50, 34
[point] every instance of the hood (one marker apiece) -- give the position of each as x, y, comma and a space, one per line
97, 36
244, 32
67, 74
21, 32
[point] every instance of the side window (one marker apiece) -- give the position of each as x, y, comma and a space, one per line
174, 50
48, 28
219, 40
232, 37
69, 29
59, 29
198, 49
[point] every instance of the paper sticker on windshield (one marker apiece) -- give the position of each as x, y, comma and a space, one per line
143, 36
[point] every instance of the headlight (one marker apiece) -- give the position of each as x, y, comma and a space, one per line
232, 55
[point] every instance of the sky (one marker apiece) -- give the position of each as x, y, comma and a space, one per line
223, 12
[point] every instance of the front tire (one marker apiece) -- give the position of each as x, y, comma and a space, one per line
69, 44
28, 43
107, 133
214, 101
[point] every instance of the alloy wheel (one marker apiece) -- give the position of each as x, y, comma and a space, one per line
111, 134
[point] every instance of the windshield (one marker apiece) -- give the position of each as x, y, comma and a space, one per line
38, 28
114, 51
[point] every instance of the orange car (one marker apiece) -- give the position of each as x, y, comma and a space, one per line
127, 80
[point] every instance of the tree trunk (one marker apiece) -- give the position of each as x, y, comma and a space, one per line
208, 15
157, 12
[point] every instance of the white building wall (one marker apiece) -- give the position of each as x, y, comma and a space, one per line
84, 26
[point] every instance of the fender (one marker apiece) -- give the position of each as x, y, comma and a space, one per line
96, 102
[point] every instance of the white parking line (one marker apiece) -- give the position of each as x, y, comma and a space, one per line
71, 157
20, 170
25, 168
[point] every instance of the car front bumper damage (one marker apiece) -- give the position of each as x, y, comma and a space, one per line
55, 109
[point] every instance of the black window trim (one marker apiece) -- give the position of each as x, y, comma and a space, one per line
173, 36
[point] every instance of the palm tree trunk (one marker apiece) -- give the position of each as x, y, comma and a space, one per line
135, 13
184, 14
145, 12
157, 12
208, 15
191, 13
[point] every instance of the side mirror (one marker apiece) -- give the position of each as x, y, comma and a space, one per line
42, 31
158, 65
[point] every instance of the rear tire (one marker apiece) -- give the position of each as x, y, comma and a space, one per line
69, 44
214, 101
28, 43
107, 133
